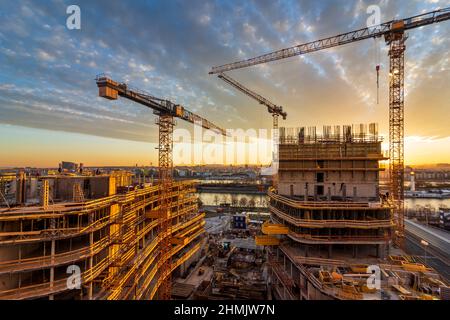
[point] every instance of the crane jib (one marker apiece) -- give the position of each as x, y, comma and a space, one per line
345, 38
271, 107
110, 89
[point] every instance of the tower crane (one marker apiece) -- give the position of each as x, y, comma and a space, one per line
166, 112
394, 36
273, 109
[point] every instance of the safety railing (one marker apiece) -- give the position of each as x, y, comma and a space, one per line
341, 223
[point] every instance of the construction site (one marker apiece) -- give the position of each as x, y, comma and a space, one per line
334, 234
113, 237
333, 231
336, 222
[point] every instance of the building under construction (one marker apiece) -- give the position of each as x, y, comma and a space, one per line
101, 227
330, 223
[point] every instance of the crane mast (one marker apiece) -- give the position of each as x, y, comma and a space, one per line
165, 162
396, 42
166, 111
394, 34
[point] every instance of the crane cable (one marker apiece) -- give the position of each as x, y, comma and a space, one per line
377, 65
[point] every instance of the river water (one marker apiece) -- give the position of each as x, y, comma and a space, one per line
432, 203
212, 199
261, 200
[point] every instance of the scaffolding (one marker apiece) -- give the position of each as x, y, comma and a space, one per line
330, 134
321, 237
114, 240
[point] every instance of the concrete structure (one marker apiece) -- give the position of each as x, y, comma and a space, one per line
328, 189
330, 167
329, 222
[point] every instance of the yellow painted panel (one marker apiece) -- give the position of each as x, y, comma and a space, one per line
266, 241
272, 228
408, 266
398, 25
179, 240
112, 186
156, 214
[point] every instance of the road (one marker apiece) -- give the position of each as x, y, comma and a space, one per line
437, 253
439, 239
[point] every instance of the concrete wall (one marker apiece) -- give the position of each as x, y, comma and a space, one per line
11, 252
93, 187
333, 190
300, 174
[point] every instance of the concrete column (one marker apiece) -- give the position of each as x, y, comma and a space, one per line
291, 271
300, 286
52, 269
44, 200
306, 192
21, 188
20, 257
91, 264
355, 251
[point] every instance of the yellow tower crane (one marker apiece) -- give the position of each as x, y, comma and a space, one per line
272, 108
394, 35
166, 112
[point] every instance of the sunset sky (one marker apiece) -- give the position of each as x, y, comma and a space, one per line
49, 105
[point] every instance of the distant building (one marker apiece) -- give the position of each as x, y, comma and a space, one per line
439, 174
183, 173
69, 166
444, 218
239, 221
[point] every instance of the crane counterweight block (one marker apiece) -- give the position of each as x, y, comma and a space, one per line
105, 90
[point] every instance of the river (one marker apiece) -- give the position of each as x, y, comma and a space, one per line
211, 199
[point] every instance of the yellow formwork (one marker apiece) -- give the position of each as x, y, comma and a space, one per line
266, 240
179, 240
273, 228
157, 214
125, 220
409, 266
